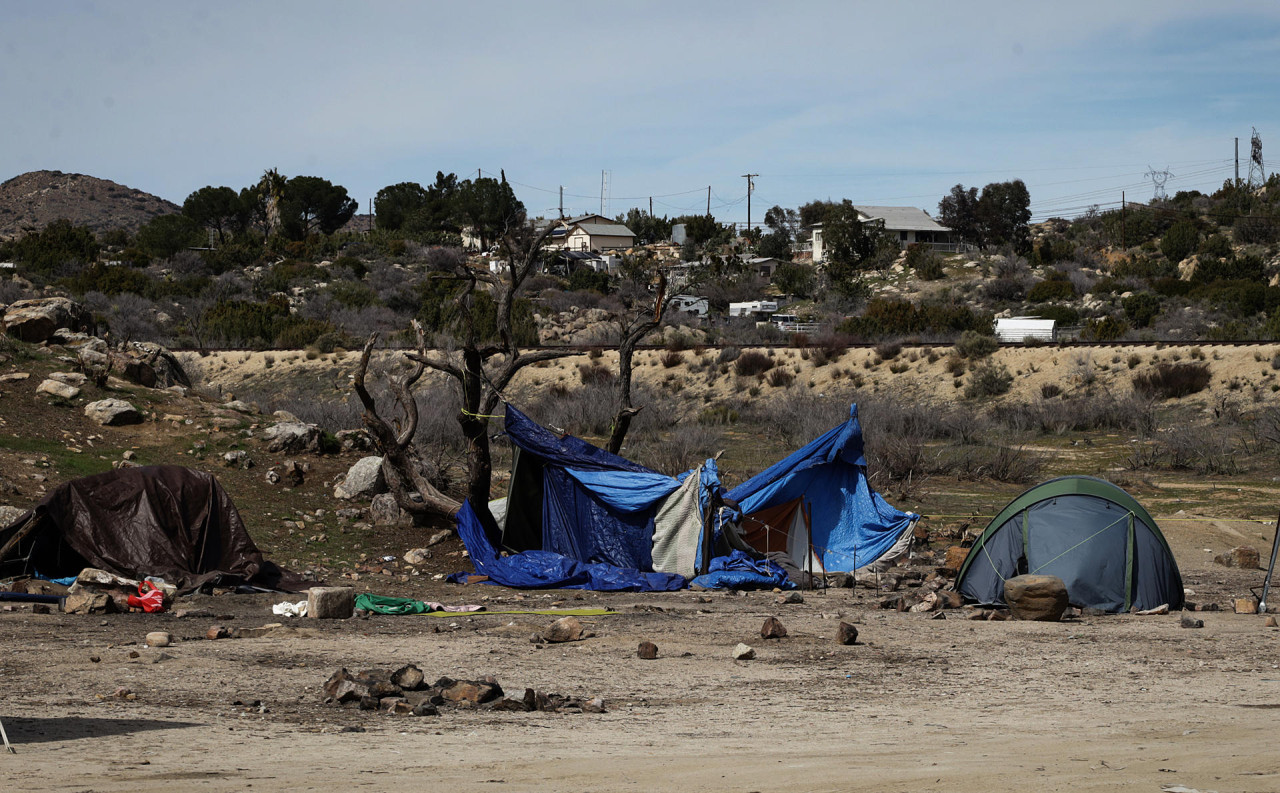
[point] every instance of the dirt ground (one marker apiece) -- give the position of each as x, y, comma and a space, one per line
919, 704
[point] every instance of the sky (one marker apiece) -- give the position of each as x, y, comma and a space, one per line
881, 103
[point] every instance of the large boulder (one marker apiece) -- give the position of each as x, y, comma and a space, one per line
293, 437
150, 365
363, 480
36, 320
58, 388
112, 412
1036, 597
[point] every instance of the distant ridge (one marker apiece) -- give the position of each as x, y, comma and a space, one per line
33, 200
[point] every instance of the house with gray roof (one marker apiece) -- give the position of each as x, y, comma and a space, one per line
908, 224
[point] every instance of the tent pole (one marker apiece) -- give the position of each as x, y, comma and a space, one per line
5, 736
1271, 568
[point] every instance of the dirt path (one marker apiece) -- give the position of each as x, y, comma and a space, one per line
1116, 703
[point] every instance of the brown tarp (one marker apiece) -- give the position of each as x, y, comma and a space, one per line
160, 520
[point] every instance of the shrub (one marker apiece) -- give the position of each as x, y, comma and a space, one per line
972, 344
1180, 241
1052, 289
1065, 315
925, 262
1172, 380
670, 359
595, 374
799, 340
727, 355
752, 363
1050, 390
780, 378
1104, 329
884, 318
1134, 360
988, 380
718, 414
888, 350
1141, 308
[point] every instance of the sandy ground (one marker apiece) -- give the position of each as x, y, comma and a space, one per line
1237, 372
920, 704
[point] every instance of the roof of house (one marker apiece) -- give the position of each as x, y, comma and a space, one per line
605, 229
902, 218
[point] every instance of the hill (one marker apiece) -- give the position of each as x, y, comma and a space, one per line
35, 199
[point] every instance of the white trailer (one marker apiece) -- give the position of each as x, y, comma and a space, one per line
1017, 329
759, 309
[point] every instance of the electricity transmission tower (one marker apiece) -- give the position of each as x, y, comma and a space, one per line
1158, 178
1257, 174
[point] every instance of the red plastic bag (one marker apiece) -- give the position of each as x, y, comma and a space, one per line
149, 598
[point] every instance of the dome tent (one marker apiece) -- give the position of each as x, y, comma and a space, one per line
1101, 542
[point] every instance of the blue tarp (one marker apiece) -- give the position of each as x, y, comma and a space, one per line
596, 507
739, 571
851, 525
547, 570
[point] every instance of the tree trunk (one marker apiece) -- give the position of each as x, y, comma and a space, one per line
622, 419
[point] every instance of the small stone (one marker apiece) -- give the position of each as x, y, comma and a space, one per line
743, 652
94, 659
417, 556
1271, 622
408, 677
593, 705
86, 601
846, 634
41, 608
331, 603
647, 650
1244, 556
218, 632
425, 709
112, 412
1245, 606
159, 639
950, 599
58, 389
565, 629
772, 629
790, 597
1191, 622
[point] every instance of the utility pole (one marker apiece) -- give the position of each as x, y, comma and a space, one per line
650, 206
1123, 236
750, 186
708, 200
477, 174
562, 202
1237, 161
604, 190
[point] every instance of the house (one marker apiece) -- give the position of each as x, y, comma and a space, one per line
598, 236
763, 266
908, 224
562, 226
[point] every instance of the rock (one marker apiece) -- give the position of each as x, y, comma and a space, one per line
240, 406
790, 597
1271, 622
409, 677
58, 389
743, 652
237, 459
425, 709
1191, 622
565, 629
331, 602
285, 417
86, 601
416, 556
593, 705
772, 629
218, 632
955, 558
1244, 556
439, 537
476, 692
291, 474
159, 639
846, 634
112, 412
272, 476
35, 320
343, 687
354, 440
13, 377
70, 378
384, 511
363, 480
950, 599
840, 580
1161, 609
1245, 606
647, 651
151, 365
293, 437
397, 705
1042, 598
9, 515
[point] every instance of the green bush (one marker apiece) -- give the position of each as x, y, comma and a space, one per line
58, 243
353, 294
752, 363
988, 380
1180, 241
974, 345
298, 334
886, 318
1141, 308
1104, 329
1065, 315
1172, 380
586, 280
1052, 289
114, 280
357, 267
925, 262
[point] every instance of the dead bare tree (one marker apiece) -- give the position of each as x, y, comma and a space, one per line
635, 326
481, 367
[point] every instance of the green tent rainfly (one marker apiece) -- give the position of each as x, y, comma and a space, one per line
1094, 536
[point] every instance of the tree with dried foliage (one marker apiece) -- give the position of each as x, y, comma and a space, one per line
480, 364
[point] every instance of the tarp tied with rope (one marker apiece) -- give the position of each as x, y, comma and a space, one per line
822, 489
1102, 543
